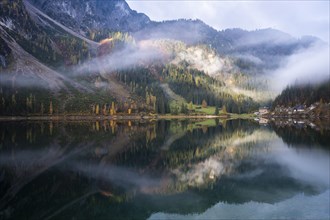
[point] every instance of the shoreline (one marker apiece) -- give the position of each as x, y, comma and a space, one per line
108, 117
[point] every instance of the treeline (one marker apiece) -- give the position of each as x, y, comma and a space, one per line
303, 136
143, 83
303, 95
195, 144
195, 86
41, 102
25, 102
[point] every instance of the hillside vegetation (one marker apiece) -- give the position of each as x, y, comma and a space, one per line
61, 57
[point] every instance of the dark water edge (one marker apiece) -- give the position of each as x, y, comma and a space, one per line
133, 169
108, 117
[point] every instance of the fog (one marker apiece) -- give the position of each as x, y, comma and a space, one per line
119, 60
309, 65
190, 32
10, 79
268, 36
308, 167
30, 80
119, 176
249, 58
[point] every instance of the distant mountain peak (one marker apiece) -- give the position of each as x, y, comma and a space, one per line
85, 15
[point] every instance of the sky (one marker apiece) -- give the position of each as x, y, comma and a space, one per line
297, 18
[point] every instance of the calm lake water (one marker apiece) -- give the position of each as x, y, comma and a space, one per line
163, 170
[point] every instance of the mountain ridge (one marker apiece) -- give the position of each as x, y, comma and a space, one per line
223, 68
82, 15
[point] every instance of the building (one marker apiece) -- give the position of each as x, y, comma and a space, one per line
299, 108
263, 111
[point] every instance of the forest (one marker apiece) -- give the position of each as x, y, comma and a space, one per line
305, 94
62, 51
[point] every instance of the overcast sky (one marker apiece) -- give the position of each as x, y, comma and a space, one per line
297, 18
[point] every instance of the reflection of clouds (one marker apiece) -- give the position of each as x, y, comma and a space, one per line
229, 154
308, 165
256, 158
256, 136
249, 175
25, 165
201, 172
298, 207
30, 162
119, 176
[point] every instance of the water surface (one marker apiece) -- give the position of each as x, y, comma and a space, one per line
179, 169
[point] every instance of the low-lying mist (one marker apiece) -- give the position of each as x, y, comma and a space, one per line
127, 57
309, 65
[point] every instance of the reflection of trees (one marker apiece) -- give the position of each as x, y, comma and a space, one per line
29, 162
111, 166
137, 146
194, 158
35, 149
221, 157
302, 135
33, 152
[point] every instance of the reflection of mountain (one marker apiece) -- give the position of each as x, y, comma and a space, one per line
41, 146
120, 169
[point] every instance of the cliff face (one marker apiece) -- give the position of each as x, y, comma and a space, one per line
85, 15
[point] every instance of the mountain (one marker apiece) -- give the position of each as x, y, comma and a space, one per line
83, 16
17, 37
262, 49
101, 57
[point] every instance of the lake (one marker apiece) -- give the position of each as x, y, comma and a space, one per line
166, 169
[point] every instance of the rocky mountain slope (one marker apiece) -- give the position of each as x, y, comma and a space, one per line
261, 48
94, 53
83, 16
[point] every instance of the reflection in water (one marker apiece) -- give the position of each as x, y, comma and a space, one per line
298, 207
305, 165
131, 169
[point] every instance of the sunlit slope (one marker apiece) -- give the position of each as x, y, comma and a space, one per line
46, 58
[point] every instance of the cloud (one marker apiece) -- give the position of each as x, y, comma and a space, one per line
118, 60
295, 17
310, 65
10, 79
249, 58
